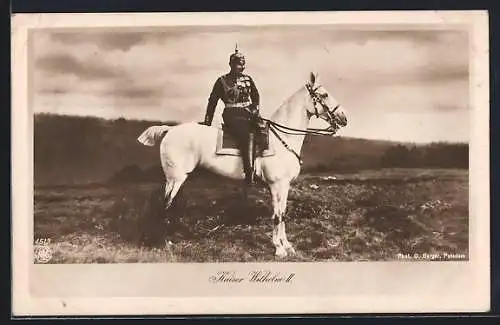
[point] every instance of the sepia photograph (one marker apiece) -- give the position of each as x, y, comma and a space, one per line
251, 149
384, 172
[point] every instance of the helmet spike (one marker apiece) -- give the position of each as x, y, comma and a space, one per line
237, 56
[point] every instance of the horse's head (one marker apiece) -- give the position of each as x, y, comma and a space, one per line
323, 105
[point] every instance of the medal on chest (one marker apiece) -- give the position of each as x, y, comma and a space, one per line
237, 88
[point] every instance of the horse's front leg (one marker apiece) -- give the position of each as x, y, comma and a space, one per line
281, 227
286, 244
276, 221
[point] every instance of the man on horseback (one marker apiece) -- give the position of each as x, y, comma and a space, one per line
241, 98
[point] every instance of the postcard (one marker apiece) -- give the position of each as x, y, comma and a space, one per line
250, 163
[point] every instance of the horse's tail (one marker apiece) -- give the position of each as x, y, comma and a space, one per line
153, 134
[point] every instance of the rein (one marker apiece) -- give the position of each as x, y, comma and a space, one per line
311, 131
273, 130
275, 127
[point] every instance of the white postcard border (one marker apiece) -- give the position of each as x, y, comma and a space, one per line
474, 278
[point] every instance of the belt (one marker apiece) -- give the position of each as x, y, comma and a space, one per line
238, 105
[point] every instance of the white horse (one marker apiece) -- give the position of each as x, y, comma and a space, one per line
188, 146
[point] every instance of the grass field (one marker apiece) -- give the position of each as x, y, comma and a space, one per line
364, 216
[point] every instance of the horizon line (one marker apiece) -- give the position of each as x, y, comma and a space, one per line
174, 122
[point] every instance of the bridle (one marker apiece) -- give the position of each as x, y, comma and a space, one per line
317, 99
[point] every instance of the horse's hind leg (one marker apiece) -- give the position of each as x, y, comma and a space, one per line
172, 187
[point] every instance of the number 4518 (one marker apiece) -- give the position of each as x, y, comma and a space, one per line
42, 241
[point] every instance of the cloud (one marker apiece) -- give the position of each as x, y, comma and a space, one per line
119, 91
169, 72
419, 127
124, 39
67, 64
450, 107
416, 37
445, 73
433, 72
106, 40
129, 89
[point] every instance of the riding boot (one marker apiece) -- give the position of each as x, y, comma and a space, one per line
249, 170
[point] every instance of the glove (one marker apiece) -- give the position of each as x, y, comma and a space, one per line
255, 113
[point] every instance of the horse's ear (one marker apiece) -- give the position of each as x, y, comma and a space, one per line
312, 78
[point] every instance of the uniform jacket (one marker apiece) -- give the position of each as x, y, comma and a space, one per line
239, 92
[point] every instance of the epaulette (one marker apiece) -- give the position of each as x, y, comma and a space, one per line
246, 77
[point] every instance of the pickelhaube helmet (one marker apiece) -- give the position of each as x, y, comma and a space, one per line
237, 57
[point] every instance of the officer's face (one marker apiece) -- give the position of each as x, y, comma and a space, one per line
238, 67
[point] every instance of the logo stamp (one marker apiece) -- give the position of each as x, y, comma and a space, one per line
43, 253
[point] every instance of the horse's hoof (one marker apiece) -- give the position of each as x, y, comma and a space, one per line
280, 252
291, 250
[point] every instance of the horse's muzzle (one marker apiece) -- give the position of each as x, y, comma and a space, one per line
342, 120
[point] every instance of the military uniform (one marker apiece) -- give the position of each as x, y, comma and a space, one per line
241, 99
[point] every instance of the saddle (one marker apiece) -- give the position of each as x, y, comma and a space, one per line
226, 144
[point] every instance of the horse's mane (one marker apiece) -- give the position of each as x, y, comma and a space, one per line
286, 103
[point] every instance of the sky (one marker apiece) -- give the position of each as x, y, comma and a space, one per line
402, 85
